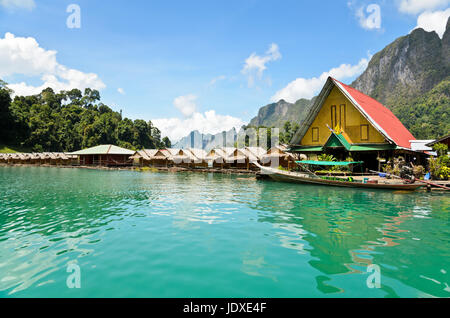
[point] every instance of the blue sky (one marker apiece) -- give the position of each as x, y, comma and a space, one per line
173, 61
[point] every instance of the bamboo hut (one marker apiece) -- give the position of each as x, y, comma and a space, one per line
159, 158
254, 155
216, 158
24, 158
182, 157
258, 152
3, 158
64, 159
14, 158
278, 156
200, 157
151, 157
239, 159
52, 158
45, 158
35, 158
140, 158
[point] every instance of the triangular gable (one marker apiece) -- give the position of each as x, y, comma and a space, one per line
381, 118
337, 141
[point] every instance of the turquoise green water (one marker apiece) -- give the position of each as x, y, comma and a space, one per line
201, 235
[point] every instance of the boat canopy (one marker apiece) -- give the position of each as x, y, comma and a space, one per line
329, 163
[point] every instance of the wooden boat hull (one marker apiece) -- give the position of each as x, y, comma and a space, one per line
285, 176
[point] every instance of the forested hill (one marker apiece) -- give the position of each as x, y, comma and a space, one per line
69, 121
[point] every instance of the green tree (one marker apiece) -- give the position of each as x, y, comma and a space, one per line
5, 116
167, 143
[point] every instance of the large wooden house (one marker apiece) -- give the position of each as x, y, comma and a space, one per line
345, 122
104, 155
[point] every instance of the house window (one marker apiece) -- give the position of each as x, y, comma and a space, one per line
364, 132
315, 134
333, 116
342, 116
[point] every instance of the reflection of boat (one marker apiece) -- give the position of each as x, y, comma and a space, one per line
308, 177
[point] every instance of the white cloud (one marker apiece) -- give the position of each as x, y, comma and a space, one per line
18, 4
372, 20
121, 91
216, 79
24, 56
186, 104
418, 6
255, 65
207, 122
309, 87
433, 21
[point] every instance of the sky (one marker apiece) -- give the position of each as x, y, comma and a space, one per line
205, 65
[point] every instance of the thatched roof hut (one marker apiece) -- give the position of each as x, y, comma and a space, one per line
199, 154
278, 155
255, 152
237, 156
152, 156
216, 155
180, 156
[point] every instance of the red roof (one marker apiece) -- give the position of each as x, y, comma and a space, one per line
380, 116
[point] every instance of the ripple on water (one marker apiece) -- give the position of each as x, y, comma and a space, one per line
204, 235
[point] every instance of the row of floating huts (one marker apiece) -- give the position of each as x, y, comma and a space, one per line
114, 156
42, 158
220, 158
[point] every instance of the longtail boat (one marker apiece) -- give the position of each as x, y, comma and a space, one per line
311, 178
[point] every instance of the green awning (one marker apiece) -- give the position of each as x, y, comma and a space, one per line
329, 163
372, 147
306, 149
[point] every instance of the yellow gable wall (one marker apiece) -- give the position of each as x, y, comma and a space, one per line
350, 119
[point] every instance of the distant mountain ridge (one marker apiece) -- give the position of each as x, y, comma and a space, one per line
195, 139
276, 114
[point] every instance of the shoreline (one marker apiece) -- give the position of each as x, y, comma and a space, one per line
169, 169
140, 169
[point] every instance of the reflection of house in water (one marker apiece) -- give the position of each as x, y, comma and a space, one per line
344, 231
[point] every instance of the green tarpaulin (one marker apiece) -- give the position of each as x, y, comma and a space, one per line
329, 163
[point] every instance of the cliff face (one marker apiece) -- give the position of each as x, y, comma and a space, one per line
207, 141
407, 68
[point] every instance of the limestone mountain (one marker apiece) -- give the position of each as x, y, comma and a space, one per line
276, 114
195, 139
411, 76
407, 68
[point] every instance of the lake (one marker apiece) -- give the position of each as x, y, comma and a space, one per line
144, 234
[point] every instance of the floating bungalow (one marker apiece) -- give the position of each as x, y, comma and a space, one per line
200, 157
104, 155
238, 159
181, 157
257, 152
151, 157
216, 157
280, 156
345, 122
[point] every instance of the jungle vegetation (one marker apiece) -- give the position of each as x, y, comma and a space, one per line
69, 121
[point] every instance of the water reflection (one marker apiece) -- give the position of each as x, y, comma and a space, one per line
346, 230
159, 225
